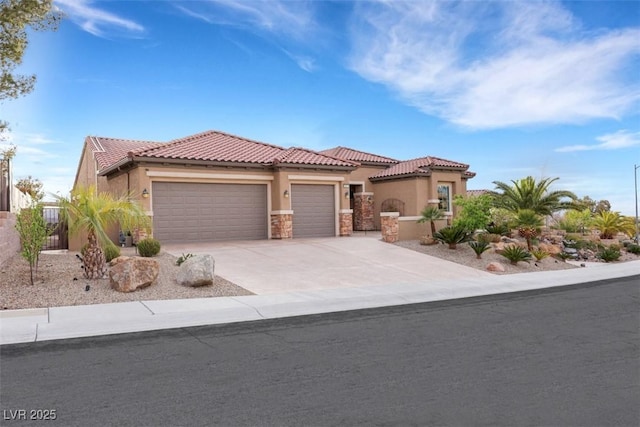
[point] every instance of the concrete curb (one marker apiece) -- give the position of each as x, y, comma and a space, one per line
21, 326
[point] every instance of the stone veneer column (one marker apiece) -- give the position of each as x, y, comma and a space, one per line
282, 224
363, 212
346, 222
389, 226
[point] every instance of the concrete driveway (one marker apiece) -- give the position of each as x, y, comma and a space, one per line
275, 266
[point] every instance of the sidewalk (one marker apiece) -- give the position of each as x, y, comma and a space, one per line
20, 326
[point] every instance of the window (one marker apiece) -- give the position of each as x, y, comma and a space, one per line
444, 197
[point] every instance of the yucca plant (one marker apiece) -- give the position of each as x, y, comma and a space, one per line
516, 254
479, 247
452, 236
528, 223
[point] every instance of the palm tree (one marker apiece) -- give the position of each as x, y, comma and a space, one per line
526, 193
92, 212
528, 223
611, 223
431, 214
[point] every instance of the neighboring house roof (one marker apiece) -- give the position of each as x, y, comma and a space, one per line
477, 192
358, 156
209, 146
421, 166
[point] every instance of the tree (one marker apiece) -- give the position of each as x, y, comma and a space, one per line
16, 16
32, 187
528, 223
33, 232
594, 206
92, 212
611, 223
526, 193
575, 221
431, 214
474, 213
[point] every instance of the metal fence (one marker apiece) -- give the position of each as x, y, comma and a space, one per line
59, 237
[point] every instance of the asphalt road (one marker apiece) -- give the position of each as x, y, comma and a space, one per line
568, 356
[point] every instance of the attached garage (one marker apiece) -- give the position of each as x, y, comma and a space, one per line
314, 212
199, 212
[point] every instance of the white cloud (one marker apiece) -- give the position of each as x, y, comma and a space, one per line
611, 141
485, 65
97, 21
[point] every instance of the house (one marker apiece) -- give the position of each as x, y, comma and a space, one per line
217, 186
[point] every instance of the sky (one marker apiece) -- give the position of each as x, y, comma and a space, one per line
540, 88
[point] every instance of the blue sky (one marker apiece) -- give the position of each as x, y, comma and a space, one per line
548, 89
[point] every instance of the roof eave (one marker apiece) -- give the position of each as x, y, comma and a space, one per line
311, 166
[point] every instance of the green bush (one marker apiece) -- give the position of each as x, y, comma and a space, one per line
539, 254
500, 229
634, 249
452, 236
148, 247
515, 254
183, 258
479, 247
609, 254
111, 251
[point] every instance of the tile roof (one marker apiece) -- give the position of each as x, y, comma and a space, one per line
420, 166
477, 192
108, 151
211, 146
357, 156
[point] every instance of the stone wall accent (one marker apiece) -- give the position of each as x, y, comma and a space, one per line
346, 222
363, 212
9, 237
282, 224
389, 226
139, 234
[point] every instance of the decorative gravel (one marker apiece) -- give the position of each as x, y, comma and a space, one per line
59, 282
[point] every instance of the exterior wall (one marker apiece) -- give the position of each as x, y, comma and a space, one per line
410, 229
402, 189
389, 226
9, 237
458, 185
281, 224
362, 174
346, 222
363, 212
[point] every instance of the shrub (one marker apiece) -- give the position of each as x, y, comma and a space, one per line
499, 229
515, 254
148, 247
539, 254
32, 229
563, 256
183, 258
111, 251
489, 237
452, 236
634, 249
479, 247
609, 254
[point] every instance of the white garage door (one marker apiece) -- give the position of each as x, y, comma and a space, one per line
314, 213
194, 212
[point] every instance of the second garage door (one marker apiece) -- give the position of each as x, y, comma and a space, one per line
314, 213
194, 212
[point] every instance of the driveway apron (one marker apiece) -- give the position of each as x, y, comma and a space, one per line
276, 266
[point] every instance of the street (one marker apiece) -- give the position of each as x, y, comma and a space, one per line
561, 356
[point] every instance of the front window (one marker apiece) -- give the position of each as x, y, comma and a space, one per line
444, 197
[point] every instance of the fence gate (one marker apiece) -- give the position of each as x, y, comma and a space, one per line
59, 236
5, 185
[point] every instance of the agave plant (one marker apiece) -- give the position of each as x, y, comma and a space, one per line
452, 236
479, 247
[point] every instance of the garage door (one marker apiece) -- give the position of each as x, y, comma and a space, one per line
190, 212
314, 213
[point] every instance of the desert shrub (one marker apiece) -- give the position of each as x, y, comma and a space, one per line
183, 258
32, 229
573, 236
452, 236
563, 256
499, 229
479, 247
488, 237
609, 254
539, 254
615, 247
515, 254
634, 249
111, 251
148, 247
474, 211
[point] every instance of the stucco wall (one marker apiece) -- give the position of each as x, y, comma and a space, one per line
9, 238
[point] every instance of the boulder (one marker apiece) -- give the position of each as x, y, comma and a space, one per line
130, 273
196, 271
495, 267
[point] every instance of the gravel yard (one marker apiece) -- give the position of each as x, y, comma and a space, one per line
60, 283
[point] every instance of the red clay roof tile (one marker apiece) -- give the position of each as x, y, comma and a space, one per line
357, 155
420, 166
108, 151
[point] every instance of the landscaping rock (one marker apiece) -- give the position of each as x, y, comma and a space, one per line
130, 273
196, 271
496, 267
